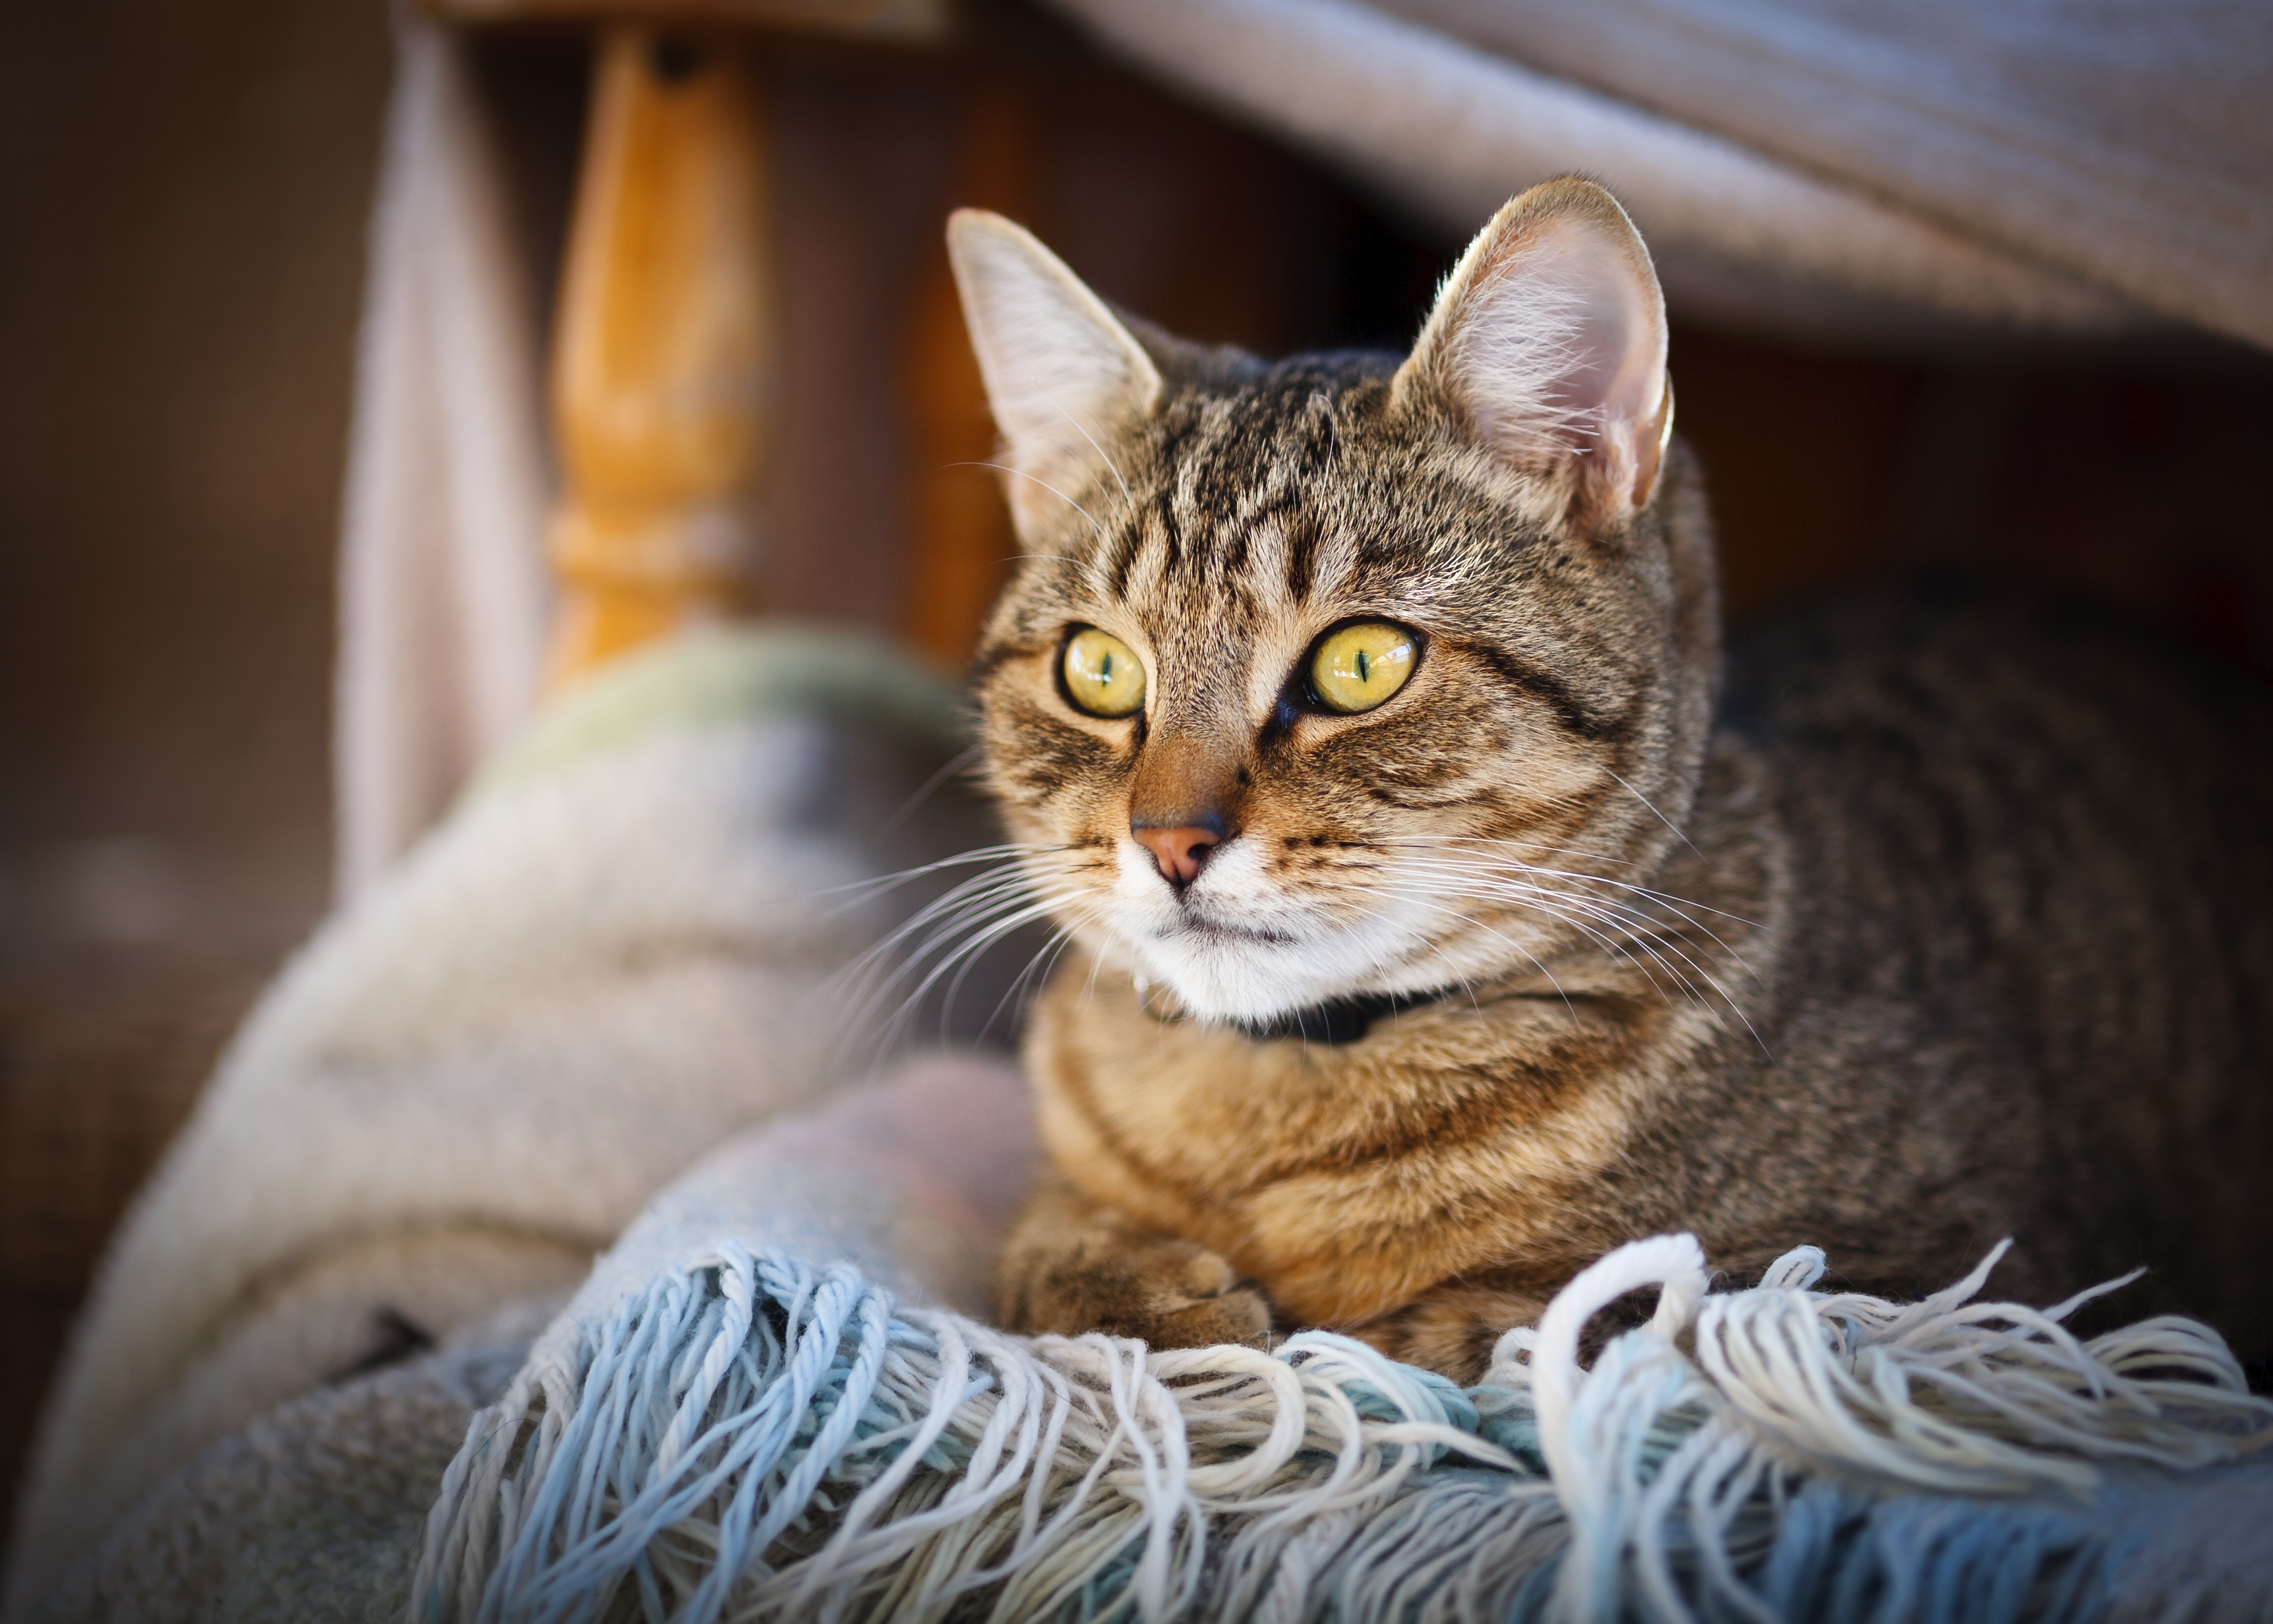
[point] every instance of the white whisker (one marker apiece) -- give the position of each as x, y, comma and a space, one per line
1630, 929
1107, 455
1607, 942
1467, 985
950, 950
954, 764
1638, 795
1675, 906
1628, 922
1021, 473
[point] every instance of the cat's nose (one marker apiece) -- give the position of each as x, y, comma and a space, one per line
1178, 851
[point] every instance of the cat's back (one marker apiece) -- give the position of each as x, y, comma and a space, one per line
2041, 842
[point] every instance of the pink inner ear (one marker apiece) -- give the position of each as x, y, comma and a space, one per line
1607, 331
1560, 349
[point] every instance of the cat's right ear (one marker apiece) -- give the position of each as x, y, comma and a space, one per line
1547, 346
1063, 374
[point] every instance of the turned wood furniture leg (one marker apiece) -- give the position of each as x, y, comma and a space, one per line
663, 378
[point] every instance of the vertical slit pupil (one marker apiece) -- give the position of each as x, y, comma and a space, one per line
1105, 668
1364, 668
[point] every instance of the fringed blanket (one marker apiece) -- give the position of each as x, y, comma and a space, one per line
753, 1433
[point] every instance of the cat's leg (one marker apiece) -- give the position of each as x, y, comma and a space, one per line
1071, 1266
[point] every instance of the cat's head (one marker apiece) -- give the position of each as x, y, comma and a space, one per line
1345, 674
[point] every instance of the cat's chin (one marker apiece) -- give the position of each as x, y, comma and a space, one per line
1238, 948
1252, 978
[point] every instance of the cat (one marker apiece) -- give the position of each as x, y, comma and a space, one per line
1439, 923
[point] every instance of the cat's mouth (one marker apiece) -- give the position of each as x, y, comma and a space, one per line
1195, 924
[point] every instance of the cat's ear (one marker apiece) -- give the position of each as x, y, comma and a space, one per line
1548, 345
1063, 374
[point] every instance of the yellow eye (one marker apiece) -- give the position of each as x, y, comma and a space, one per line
1360, 665
1103, 673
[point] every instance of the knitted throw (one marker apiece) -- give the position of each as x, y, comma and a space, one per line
755, 1437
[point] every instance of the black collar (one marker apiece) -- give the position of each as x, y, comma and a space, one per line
1338, 1020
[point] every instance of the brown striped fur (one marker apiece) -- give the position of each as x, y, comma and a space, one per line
1950, 920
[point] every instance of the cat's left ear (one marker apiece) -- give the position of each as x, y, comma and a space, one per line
1063, 374
1547, 346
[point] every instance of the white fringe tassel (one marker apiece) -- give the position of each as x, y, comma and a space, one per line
757, 1439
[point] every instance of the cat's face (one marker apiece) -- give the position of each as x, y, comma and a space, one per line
1339, 676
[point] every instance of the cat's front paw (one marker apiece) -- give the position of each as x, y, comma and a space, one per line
1169, 1293
1195, 1301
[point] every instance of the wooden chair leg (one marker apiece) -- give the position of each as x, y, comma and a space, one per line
664, 366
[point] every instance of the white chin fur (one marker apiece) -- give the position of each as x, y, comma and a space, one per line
1238, 948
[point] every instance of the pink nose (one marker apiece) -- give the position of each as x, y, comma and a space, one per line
1178, 852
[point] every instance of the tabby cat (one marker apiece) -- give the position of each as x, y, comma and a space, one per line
1440, 920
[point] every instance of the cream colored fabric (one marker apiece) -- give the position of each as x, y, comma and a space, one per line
632, 944
443, 589
1837, 167
2130, 142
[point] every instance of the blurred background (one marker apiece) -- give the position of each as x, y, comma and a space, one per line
191, 188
